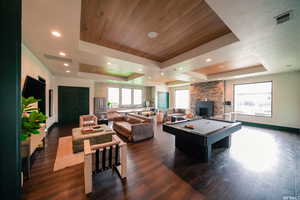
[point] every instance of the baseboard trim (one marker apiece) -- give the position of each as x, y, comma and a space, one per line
269, 126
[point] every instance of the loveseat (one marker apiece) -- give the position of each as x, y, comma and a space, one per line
134, 128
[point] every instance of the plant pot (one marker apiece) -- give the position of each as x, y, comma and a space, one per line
25, 148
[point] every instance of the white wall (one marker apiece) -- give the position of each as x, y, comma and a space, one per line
76, 82
32, 66
286, 99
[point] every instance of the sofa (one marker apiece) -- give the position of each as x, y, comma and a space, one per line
134, 128
175, 112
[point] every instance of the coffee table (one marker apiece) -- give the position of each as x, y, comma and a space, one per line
105, 135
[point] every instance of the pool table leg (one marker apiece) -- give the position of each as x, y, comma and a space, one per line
226, 142
207, 153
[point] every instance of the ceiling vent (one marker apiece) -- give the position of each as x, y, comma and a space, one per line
284, 17
60, 59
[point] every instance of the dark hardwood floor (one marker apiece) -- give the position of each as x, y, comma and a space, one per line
261, 164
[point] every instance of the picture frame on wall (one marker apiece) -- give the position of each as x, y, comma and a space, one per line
50, 103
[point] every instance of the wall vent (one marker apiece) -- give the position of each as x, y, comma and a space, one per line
284, 17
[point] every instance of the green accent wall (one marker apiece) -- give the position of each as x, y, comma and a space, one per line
10, 101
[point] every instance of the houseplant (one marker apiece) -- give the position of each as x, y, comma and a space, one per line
31, 120
109, 104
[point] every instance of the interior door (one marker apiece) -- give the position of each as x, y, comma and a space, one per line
83, 101
72, 102
163, 100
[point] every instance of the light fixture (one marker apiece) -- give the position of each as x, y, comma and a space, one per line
68, 71
109, 63
56, 34
140, 70
180, 68
162, 74
152, 35
62, 53
66, 64
208, 60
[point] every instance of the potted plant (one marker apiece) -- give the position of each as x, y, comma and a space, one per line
31, 123
109, 104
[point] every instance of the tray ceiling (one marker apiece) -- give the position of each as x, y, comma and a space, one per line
108, 72
124, 26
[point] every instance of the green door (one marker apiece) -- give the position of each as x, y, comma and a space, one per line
72, 102
163, 100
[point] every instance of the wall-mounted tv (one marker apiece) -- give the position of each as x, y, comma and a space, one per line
33, 88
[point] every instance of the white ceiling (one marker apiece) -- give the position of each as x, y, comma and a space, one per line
252, 22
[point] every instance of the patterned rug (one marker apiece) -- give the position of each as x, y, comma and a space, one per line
65, 156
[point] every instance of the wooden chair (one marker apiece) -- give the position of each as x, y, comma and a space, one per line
88, 120
101, 157
160, 116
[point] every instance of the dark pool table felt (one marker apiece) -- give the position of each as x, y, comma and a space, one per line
203, 126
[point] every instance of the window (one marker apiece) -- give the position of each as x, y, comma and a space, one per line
113, 96
137, 97
126, 96
182, 99
253, 99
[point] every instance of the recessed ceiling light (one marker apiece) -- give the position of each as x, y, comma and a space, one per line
109, 63
66, 64
140, 70
161, 73
152, 35
180, 68
62, 53
208, 60
68, 71
56, 33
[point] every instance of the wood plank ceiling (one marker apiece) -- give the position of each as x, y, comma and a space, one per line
230, 66
123, 25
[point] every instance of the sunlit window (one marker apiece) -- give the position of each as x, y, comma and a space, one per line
253, 99
113, 96
137, 97
126, 96
182, 99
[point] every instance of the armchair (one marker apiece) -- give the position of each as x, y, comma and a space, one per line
88, 120
101, 157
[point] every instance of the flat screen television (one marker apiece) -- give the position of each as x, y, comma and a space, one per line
33, 88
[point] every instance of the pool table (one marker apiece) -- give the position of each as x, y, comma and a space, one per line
202, 135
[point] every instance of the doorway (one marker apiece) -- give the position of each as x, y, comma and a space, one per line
72, 102
163, 100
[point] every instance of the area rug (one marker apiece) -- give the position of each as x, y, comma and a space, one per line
65, 156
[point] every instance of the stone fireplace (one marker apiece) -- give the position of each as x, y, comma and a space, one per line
208, 91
